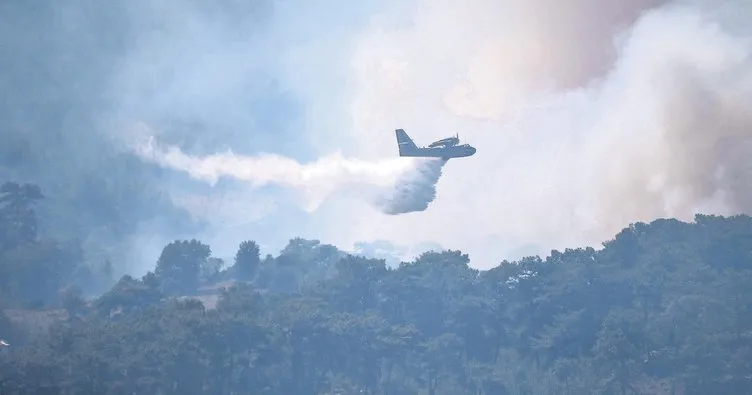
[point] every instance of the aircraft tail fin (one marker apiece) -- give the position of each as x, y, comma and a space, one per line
405, 143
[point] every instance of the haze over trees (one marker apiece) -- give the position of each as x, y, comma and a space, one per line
663, 308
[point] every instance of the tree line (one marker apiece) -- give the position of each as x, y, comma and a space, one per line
662, 308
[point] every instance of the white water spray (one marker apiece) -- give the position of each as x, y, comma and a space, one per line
393, 186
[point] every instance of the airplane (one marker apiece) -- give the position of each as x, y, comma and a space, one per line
445, 148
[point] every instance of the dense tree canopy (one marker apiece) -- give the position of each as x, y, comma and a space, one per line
662, 308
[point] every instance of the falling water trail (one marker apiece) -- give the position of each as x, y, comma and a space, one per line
393, 186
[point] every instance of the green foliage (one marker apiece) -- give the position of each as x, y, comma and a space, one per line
663, 308
180, 265
247, 260
128, 295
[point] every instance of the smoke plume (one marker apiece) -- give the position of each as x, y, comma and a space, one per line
587, 115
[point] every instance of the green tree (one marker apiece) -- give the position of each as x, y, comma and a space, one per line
247, 260
179, 266
665, 308
127, 295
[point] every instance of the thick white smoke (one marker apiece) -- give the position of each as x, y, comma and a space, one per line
587, 115
393, 186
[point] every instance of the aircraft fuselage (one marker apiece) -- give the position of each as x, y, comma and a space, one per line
408, 148
460, 151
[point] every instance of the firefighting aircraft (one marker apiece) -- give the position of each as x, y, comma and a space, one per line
445, 148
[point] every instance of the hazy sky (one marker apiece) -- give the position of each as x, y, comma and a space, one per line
587, 114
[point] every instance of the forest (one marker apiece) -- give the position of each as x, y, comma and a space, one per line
662, 308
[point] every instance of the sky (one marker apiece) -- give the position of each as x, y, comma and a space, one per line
270, 120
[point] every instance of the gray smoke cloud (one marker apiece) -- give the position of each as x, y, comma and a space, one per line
72, 74
588, 115
56, 67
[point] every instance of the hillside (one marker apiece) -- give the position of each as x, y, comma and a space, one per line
663, 308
